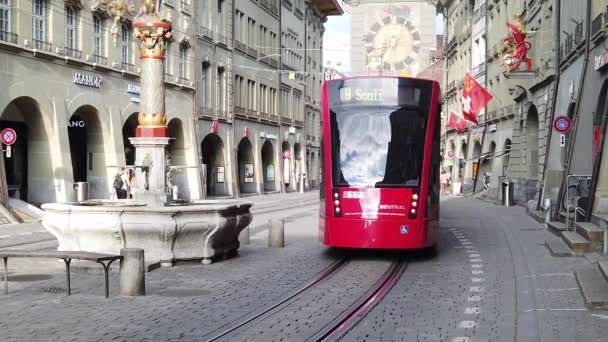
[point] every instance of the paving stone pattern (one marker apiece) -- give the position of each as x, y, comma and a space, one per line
315, 308
185, 302
493, 281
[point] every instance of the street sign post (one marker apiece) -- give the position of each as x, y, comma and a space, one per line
562, 124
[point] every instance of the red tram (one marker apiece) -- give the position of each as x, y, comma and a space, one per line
380, 163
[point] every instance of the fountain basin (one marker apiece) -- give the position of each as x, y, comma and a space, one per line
190, 231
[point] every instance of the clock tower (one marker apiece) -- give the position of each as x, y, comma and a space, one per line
392, 39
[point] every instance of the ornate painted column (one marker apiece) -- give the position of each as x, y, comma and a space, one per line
151, 136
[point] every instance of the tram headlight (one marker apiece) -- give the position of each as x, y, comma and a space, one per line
337, 210
336, 195
414, 204
337, 202
415, 197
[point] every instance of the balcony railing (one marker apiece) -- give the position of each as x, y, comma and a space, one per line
479, 70
578, 33
185, 6
240, 110
42, 45
206, 32
74, 53
240, 46
127, 66
206, 111
10, 37
252, 52
97, 59
568, 45
298, 13
273, 63
221, 39
274, 8
169, 2
168, 77
597, 25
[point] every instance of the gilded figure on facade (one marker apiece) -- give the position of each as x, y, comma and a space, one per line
119, 9
514, 48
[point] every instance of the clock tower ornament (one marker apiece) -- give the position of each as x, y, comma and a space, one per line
392, 43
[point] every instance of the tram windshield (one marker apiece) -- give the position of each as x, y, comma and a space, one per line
378, 129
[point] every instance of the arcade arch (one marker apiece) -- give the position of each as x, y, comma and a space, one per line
212, 148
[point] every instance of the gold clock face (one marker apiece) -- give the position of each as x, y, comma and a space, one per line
392, 43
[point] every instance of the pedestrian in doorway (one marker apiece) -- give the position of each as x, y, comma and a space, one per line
120, 184
444, 182
131, 183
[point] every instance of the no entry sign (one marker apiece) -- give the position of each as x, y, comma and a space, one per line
9, 136
451, 154
562, 124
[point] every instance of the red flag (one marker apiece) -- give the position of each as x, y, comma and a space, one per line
474, 98
457, 123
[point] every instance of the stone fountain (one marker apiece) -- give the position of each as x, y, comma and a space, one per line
166, 230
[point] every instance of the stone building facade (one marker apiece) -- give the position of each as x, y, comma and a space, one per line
510, 141
258, 95
70, 89
242, 78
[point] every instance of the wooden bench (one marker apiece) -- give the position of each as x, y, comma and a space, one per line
67, 256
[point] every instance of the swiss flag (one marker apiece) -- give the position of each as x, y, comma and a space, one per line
474, 98
456, 122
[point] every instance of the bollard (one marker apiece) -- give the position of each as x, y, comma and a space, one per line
244, 236
276, 233
547, 209
132, 272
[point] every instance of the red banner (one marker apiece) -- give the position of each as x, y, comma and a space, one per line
474, 98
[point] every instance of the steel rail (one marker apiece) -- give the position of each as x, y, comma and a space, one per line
356, 312
282, 301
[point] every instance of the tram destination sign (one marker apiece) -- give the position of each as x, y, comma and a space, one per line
88, 80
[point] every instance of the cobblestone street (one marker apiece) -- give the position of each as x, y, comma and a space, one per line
493, 280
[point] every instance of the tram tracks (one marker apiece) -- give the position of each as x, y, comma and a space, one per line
336, 326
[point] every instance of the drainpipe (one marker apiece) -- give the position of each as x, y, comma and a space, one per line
563, 187
556, 58
283, 189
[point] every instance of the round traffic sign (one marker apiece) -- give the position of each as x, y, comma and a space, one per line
562, 124
9, 136
286, 154
451, 154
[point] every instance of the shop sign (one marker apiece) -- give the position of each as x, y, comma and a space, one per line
76, 123
492, 128
135, 99
88, 80
247, 132
215, 127
133, 89
265, 135
601, 60
292, 130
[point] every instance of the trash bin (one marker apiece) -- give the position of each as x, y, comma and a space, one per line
82, 191
507, 194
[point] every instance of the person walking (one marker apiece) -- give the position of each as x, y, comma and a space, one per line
131, 188
444, 182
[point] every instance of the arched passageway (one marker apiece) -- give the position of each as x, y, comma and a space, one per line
298, 164
268, 166
128, 131
212, 148
532, 142
29, 171
176, 152
87, 151
245, 159
286, 157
